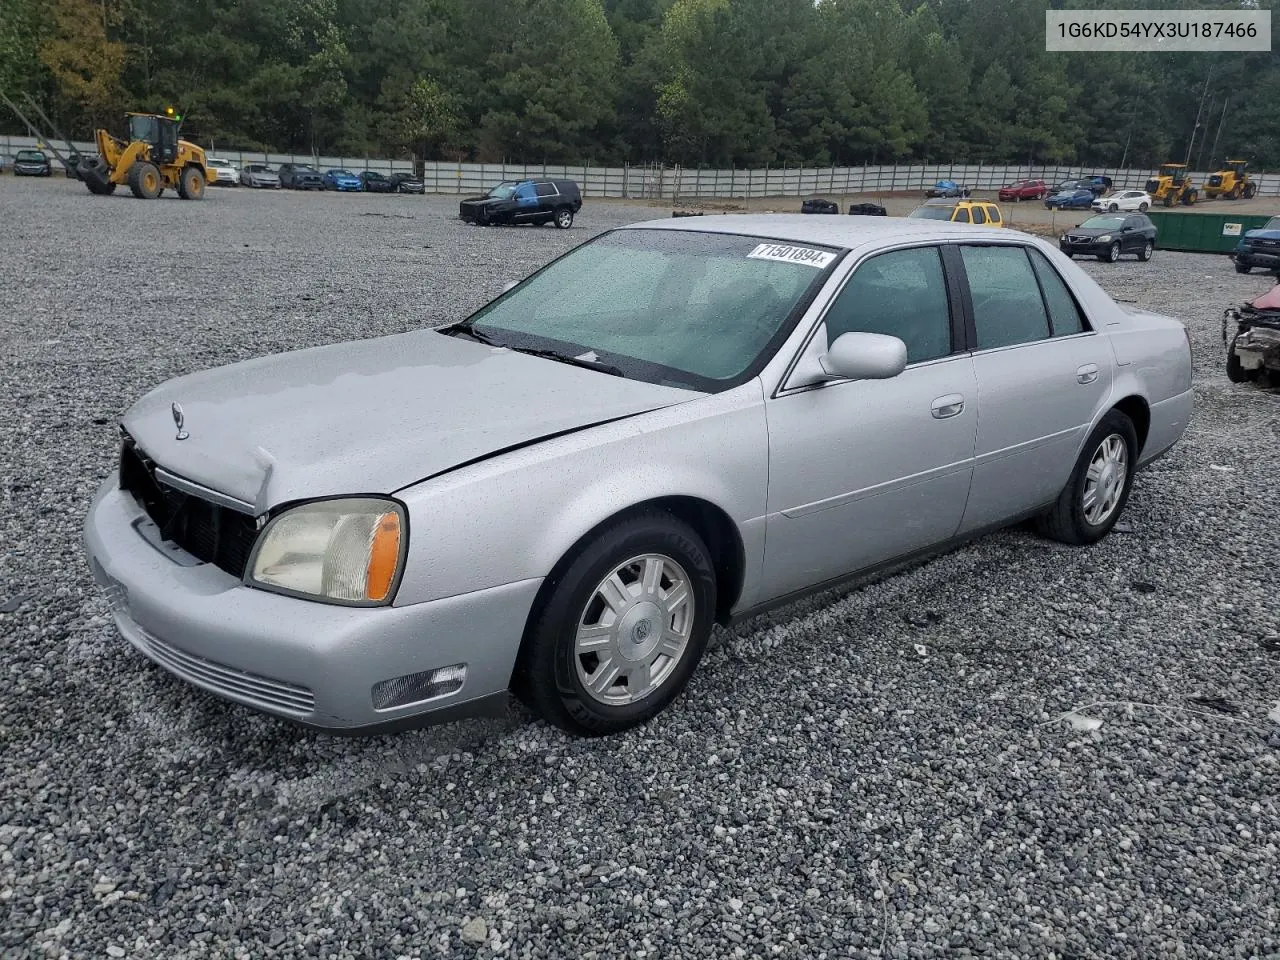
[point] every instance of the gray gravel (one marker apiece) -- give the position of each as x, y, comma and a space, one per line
883, 772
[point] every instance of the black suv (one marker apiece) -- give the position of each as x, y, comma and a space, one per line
299, 176
1108, 235
525, 201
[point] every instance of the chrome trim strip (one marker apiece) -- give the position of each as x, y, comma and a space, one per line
204, 493
889, 486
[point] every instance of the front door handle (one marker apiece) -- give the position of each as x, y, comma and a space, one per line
951, 405
1087, 374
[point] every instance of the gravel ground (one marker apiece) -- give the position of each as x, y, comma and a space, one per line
885, 772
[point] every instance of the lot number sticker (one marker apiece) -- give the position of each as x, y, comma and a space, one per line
788, 254
1231, 229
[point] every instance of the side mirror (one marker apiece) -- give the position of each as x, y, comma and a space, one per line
864, 356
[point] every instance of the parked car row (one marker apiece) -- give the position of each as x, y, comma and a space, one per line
301, 176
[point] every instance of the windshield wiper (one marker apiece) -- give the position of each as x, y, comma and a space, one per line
469, 331
573, 361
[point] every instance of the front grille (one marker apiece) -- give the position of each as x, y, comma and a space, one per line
1265, 243
208, 531
1072, 239
262, 691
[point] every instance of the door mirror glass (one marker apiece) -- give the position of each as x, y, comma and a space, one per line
865, 356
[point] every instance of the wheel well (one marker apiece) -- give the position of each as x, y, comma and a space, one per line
711, 523
1136, 409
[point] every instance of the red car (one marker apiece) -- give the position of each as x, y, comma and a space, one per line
1024, 190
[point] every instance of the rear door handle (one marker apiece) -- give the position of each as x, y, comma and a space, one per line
1087, 374
951, 405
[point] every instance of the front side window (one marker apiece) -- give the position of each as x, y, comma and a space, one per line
962, 215
1007, 307
690, 309
903, 294
979, 216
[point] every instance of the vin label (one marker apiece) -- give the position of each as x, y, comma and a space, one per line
1157, 31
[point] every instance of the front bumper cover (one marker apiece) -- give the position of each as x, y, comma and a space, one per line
309, 662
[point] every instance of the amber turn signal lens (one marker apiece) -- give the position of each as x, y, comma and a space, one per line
384, 555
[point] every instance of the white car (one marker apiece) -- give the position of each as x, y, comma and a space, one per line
1124, 200
222, 173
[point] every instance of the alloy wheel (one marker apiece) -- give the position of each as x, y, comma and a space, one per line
634, 630
1105, 479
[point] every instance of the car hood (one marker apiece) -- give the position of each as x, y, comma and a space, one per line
1262, 234
482, 201
372, 416
1091, 231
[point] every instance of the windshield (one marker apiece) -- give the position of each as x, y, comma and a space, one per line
1104, 223
682, 308
502, 191
1272, 224
931, 213
30, 155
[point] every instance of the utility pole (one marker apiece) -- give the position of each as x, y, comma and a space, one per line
1199, 111
1221, 120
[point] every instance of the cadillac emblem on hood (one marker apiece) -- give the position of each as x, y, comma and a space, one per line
178, 420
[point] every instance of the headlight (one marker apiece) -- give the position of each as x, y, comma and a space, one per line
1105, 238
348, 551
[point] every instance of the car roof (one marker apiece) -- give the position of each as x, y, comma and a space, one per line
828, 231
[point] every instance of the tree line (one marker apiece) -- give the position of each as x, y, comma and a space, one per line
696, 82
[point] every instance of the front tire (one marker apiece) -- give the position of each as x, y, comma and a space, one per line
1243, 268
1143, 207
144, 180
622, 627
564, 218
1098, 490
1112, 254
1113, 208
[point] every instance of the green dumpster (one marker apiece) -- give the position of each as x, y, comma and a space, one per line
1202, 232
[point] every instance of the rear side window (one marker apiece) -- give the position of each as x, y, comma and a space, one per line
995, 214
1064, 314
546, 189
1007, 307
903, 294
979, 216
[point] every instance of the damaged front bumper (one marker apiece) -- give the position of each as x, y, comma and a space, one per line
1252, 338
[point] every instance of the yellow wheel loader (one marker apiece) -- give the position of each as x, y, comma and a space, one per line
1172, 185
1231, 182
152, 159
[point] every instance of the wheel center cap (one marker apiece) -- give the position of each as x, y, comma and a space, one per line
640, 631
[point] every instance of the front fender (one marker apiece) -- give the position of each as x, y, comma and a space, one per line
514, 516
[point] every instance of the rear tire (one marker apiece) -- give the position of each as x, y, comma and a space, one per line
1250, 191
564, 218
1243, 268
1145, 253
1098, 490
554, 672
191, 184
145, 180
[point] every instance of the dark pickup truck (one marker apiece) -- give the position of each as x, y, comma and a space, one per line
525, 201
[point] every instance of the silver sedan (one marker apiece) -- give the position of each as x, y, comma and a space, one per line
669, 427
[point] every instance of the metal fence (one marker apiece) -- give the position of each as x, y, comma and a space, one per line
675, 183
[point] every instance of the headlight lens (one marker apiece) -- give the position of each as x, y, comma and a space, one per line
345, 551
1105, 238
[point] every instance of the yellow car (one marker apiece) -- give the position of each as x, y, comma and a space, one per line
960, 211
